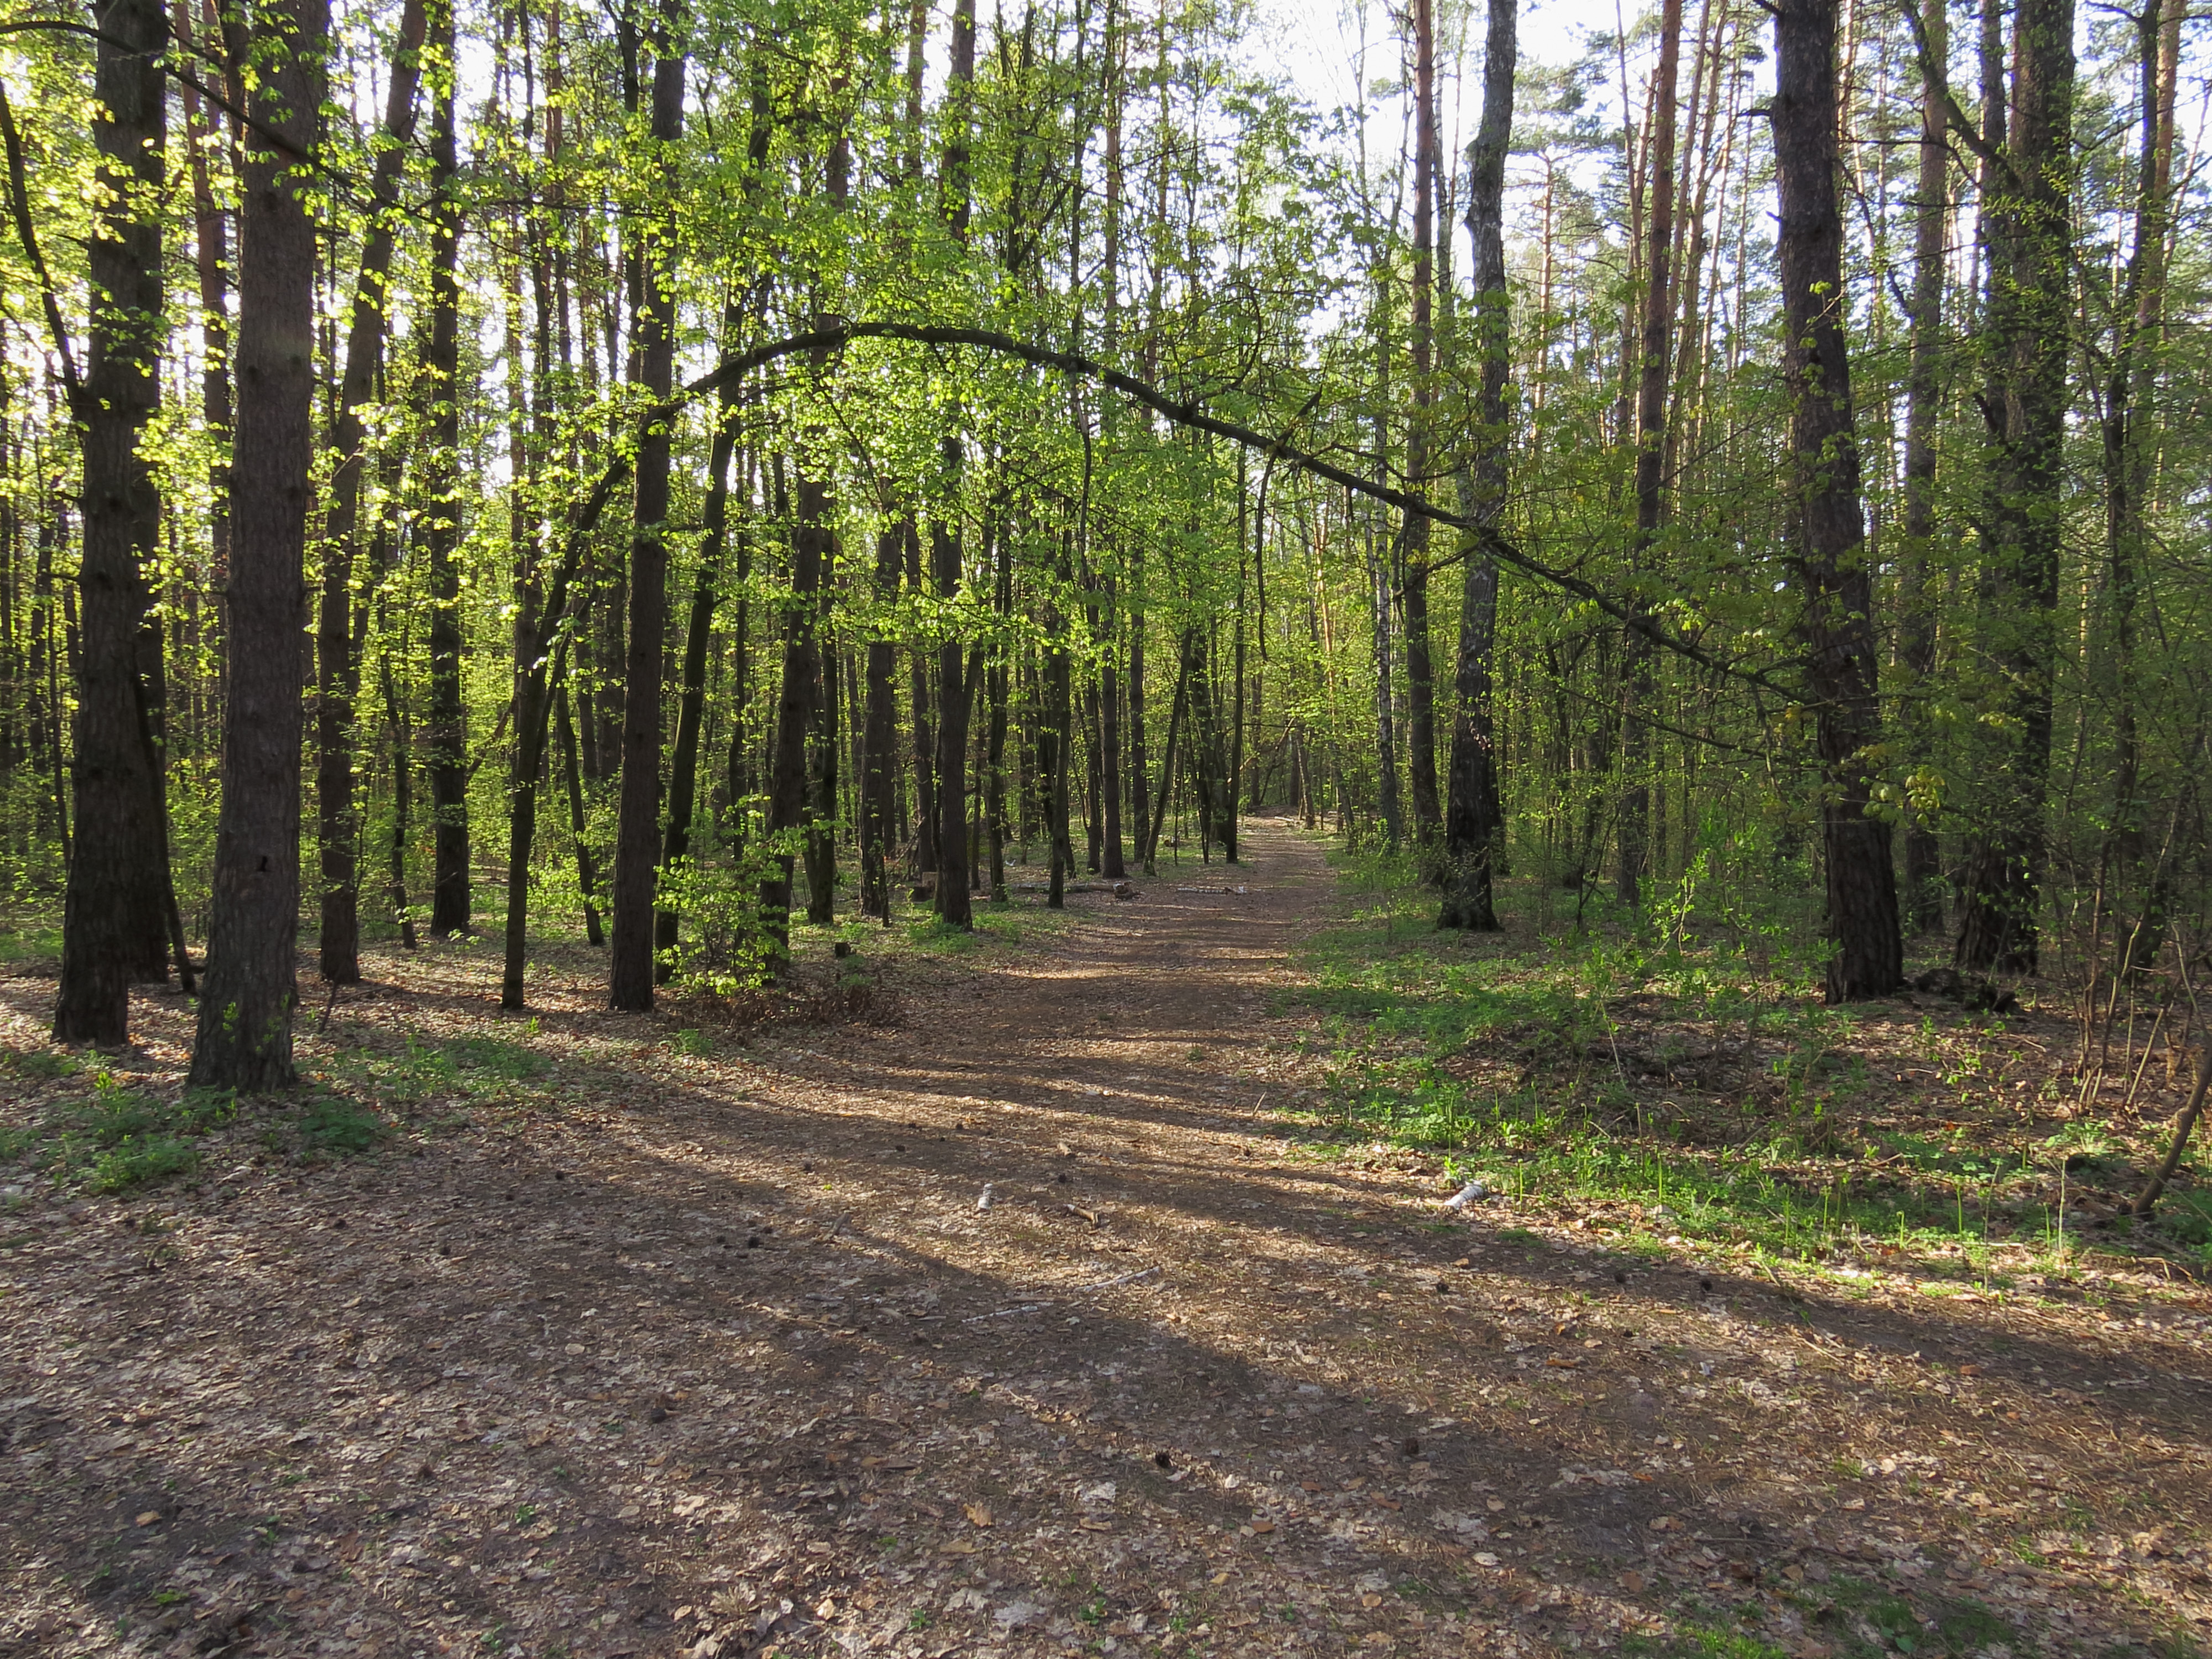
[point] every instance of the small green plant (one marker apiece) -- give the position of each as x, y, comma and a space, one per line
918, 1620
45, 1064
525, 1515
695, 1044
334, 1126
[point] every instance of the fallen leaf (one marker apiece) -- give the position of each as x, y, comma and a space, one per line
1263, 1527
978, 1514
1632, 1583
149, 1518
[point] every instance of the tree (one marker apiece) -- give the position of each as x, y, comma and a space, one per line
1828, 536
115, 918
244, 1036
637, 844
1474, 823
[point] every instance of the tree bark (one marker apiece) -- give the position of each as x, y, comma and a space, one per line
794, 714
115, 911
1420, 674
244, 1036
1474, 823
2028, 333
450, 898
337, 676
1923, 862
691, 705
953, 905
1836, 587
880, 778
1639, 681
637, 835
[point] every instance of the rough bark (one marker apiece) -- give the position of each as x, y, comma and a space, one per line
338, 675
1420, 674
637, 834
244, 1036
1639, 681
450, 898
1474, 822
952, 901
1836, 591
115, 911
2029, 334
1923, 863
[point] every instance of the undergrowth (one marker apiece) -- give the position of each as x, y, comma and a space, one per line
1682, 1061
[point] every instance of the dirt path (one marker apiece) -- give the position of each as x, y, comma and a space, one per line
697, 1345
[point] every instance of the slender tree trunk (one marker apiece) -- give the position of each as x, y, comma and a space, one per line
922, 699
114, 927
1474, 824
2028, 333
402, 806
637, 837
244, 1039
692, 707
1640, 678
953, 905
1420, 675
587, 879
338, 825
1829, 537
1923, 863
2130, 452
880, 780
450, 899
794, 713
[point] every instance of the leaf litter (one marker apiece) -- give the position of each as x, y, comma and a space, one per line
602, 1339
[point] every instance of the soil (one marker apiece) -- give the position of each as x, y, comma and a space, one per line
699, 1342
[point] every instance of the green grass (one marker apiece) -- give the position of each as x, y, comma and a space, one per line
1506, 1056
1859, 1621
122, 1138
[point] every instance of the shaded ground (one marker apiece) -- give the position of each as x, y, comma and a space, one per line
651, 1336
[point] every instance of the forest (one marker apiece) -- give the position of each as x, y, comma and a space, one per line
734, 472
1555, 658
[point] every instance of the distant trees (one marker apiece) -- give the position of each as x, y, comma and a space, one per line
1849, 562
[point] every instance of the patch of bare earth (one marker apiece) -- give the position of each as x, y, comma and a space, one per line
714, 1352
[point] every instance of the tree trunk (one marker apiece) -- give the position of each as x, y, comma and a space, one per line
880, 778
1420, 675
2028, 333
114, 927
2130, 468
1639, 679
1923, 863
450, 901
1474, 824
794, 714
637, 835
698, 632
953, 906
1836, 587
587, 880
244, 1037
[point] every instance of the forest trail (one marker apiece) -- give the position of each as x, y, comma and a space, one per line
647, 1338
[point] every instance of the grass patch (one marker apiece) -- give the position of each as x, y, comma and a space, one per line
1681, 1061
122, 1138
333, 1127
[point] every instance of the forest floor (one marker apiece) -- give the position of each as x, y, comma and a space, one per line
584, 1334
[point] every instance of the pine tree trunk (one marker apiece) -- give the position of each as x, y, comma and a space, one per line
1836, 589
2028, 335
244, 1037
1923, 863
698, 632
450, 900
1640, 678
953, 905
1474, 822
1421, 673
114, 927
637, 835
337, 820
